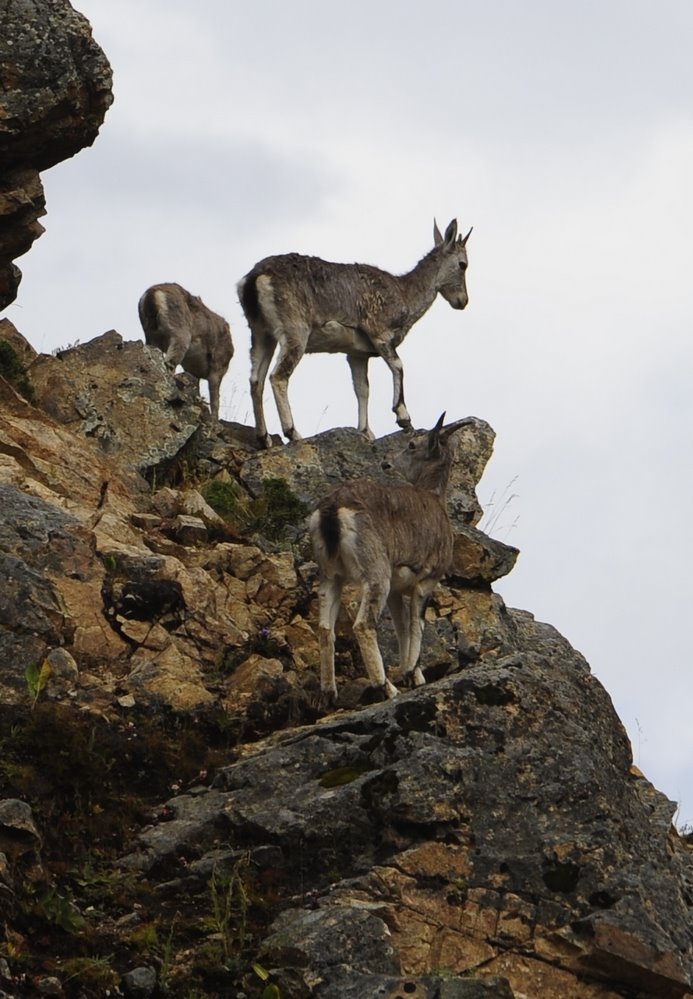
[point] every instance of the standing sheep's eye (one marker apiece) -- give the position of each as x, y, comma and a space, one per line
463, 265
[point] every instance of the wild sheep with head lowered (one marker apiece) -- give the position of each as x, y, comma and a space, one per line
189, 334
396, 542
308, 305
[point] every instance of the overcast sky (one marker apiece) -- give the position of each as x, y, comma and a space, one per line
563, 132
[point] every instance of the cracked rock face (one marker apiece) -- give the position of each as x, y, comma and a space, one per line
484, 835
488, 823
57, 87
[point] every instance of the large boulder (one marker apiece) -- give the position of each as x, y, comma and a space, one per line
57, 87
487, 826
122, 395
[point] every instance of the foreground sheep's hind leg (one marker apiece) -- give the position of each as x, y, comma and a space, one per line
413, 676
329, 595
372, 603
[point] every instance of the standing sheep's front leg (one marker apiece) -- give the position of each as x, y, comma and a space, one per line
394, 363
214, 382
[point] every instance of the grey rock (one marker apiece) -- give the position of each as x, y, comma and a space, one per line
140, 982
123, 396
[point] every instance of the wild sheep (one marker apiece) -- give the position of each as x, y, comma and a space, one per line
305, 304
188, 333
396, 542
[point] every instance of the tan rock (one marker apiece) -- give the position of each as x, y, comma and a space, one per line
241, 561
174, 677
531, 977
304, 644
248, 674
194, 504
448, 861
190, 530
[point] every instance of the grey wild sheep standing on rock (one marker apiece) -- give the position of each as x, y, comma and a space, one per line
189, 334
308, 305
396, 542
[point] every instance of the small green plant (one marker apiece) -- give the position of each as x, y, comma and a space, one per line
61, 911
270, 990
228, 500
230, 903
12, 369
36, 679
95, 974
167, 957
57, 351
145, 938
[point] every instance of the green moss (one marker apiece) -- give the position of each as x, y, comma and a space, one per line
278, 509
341, 775
14, 371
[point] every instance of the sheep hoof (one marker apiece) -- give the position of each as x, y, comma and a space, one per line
390, 690
328, 699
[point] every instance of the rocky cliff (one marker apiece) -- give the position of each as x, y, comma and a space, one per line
177, 814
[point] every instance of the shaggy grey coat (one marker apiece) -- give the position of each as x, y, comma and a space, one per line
396, 543
189, 334
309, 305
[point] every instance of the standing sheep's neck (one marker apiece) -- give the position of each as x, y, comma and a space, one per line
420, 285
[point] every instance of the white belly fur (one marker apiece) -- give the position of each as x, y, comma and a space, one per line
333, 338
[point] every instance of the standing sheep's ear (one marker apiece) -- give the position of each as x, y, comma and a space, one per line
464, 241
451, 234
437, 235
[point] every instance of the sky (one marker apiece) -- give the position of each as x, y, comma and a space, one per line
564, 134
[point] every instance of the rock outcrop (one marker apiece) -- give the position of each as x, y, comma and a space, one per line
484, 835
56, 91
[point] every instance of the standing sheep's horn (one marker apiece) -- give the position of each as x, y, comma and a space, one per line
451, 428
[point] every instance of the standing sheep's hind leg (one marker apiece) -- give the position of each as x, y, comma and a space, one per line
261, 351
291, 350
